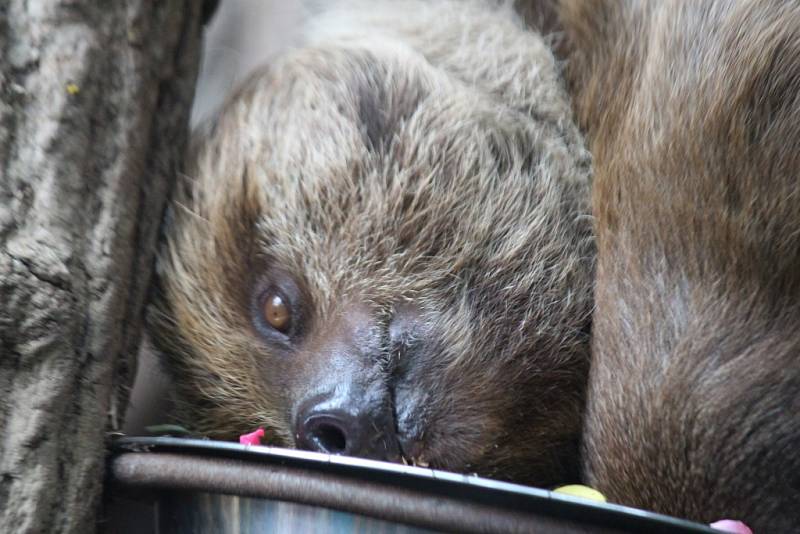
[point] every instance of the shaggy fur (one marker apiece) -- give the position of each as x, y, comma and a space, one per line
414, 155
693, 116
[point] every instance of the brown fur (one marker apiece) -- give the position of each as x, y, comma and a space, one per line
394, 163
693, 116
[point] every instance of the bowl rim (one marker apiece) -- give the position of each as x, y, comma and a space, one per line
467, 489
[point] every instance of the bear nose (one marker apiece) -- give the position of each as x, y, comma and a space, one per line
337, 431
332, 433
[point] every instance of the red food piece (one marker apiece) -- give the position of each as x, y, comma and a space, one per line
253, 438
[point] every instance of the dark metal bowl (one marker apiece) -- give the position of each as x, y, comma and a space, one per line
188, 485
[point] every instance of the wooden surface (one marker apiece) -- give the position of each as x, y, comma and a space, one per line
93, 115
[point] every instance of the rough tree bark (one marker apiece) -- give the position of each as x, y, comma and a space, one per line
93, 113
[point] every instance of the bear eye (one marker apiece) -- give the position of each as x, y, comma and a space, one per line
277, 313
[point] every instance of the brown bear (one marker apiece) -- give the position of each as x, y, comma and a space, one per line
692, 114
383, 247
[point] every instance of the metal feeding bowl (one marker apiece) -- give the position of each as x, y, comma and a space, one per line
165, 484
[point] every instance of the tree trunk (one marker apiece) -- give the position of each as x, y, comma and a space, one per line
93, 120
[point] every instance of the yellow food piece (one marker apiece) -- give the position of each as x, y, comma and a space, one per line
579, 490
72, 89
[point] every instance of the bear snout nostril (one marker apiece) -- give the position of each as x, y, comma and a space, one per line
336, 431
326, 434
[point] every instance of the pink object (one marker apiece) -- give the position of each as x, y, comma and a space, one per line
729, 525
253, 438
